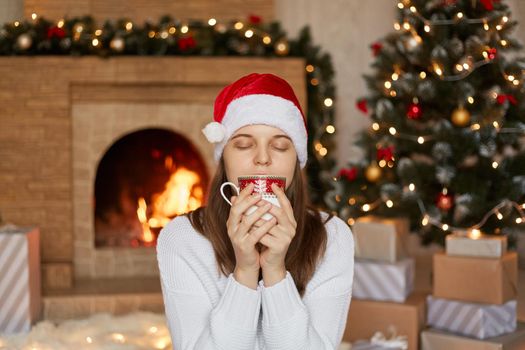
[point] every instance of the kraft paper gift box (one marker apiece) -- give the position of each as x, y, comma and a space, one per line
381, 239
478, 280
433, 339
476, 320
488, 246
19, 279
366, 317
383, 281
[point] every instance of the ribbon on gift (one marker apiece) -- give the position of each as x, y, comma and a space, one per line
393, 342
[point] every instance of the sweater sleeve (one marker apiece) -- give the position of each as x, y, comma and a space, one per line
318, 320
193, 321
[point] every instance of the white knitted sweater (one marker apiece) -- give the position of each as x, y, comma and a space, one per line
206, 310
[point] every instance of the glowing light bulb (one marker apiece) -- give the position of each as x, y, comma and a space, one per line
475, 234
425, 220
366, 207
499, 215
388, 84
330, 129
328, 102
495, 165
519, 220
212, 21
375, 126
421, 140
392, 130
389, 203
444, 227
248, 33
412, 187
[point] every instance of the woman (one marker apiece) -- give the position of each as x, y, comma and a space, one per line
236, 281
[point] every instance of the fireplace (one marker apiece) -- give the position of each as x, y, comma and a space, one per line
136, 166
144, 180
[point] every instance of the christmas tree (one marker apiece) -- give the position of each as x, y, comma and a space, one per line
446, 105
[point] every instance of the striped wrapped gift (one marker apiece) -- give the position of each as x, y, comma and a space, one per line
383, 281
19, 279
477, 320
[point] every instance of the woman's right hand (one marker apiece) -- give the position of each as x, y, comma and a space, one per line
240, 231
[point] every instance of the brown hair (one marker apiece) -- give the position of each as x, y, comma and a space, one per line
306, 249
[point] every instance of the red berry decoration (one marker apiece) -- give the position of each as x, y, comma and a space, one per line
488, 4
492, 53
55, 32
376, 48
348, 173
361, 105
414, 111
385, 153
444, 201
254, 19
502, 98
187, 43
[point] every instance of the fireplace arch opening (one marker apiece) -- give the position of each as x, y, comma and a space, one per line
145, 179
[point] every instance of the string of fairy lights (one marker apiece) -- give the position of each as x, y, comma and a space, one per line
462, 69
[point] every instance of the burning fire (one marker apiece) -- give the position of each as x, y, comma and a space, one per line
182, 193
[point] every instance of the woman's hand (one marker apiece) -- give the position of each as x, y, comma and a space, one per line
279, 237
239, 225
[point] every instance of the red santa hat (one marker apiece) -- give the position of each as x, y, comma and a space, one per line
258, 99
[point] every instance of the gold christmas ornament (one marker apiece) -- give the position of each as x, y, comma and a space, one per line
282, 48
373, 173
117, 44
461, 117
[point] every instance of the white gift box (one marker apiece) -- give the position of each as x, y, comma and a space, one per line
476, 245
477, 320
19, 279
381, 239
383, 281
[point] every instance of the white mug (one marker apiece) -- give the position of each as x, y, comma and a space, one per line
262, 186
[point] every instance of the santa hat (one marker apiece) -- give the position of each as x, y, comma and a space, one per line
257, 99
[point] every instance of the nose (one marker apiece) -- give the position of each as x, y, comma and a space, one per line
262, 156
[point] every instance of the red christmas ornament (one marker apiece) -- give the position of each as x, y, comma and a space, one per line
502, 98
492, 53
444, 201
55, 32
187, 43
348, 173
385, 153
254, 19
488, 4
376, 48
414, 111
361, 105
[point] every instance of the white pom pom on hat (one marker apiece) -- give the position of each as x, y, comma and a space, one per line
258, 99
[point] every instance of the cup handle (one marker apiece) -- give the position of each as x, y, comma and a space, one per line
222, 189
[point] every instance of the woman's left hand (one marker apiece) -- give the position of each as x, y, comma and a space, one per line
278, 239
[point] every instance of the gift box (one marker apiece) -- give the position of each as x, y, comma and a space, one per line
476, 245
478, 280
365, 317
380, 239
433, 339
383, 281
19, 279
477, 320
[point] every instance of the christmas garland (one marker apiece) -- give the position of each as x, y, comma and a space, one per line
252, 38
